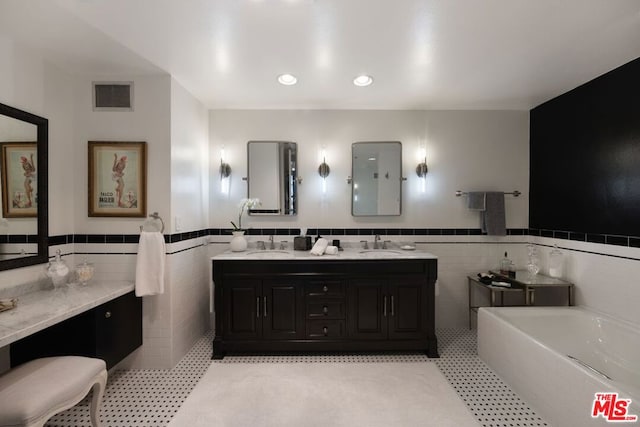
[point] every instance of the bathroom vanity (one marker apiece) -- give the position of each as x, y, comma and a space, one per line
101, 319
290, 301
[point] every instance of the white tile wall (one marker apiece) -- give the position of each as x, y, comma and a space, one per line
173, 321
602, 281
190, 301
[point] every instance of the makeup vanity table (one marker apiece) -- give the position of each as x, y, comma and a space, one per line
100, 319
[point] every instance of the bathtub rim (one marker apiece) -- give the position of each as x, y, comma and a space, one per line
574, 308
632, 391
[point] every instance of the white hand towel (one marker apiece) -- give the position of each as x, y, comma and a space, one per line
150, 264
319, 247
331, 250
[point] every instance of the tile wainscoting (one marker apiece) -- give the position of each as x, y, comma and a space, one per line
460, 251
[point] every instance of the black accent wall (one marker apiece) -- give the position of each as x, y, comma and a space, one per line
585, 157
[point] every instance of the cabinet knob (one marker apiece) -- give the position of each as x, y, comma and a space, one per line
325, 331
107, 314
325, 310
325, 288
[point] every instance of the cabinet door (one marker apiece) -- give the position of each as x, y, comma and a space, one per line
118, 328
283, 309
242, 307
367, 315
406, 316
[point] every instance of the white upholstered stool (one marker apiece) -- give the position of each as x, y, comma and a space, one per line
33, 392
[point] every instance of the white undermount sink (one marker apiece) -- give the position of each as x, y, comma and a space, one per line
379, 252
269, 253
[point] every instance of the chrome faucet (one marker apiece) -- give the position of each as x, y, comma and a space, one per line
375, 241
271, 244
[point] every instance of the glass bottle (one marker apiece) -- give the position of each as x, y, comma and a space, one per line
533, 263
58, 270
505, 265
556, 262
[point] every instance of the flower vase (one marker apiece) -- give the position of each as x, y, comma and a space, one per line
238, 242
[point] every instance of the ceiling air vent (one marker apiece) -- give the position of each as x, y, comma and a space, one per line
112, 96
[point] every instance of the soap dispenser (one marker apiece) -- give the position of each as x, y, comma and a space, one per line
58, 270
556, 262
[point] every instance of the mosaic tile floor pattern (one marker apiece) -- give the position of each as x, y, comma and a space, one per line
151, 397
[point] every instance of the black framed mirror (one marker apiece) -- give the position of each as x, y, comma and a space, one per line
24, 227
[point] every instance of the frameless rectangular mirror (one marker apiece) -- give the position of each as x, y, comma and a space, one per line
272, 177
376, 184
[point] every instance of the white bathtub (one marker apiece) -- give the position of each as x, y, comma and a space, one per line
556, 359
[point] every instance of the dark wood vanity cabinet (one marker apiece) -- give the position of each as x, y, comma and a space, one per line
351, 305
110, 331
388, 308
263, 309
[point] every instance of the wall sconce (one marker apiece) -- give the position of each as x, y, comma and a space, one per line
422, 169
323, 171
225, 169
225, 173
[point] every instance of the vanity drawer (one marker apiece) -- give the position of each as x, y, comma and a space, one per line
325, 308
325, 288
325, 329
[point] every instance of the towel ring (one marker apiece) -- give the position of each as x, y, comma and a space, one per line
154, 216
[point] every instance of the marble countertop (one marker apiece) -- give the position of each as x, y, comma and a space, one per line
43, 308
346, 254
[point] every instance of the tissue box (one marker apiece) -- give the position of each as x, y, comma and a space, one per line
302, 243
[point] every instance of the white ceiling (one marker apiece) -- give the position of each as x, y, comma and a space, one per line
422, 54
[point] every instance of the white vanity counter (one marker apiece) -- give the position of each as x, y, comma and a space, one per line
346, 254
43, 308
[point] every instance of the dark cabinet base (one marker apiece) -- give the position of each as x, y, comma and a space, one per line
110, 331
222, 348
324, 306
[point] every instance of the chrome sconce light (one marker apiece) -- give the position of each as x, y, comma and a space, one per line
323, 171
225, 173
422, 169
225, 170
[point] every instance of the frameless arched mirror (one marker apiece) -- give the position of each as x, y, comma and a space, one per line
376, 183
23, 172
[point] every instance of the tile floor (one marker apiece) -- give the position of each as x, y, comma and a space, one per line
151, 397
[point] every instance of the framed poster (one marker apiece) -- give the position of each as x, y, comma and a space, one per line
117, 179
19, 183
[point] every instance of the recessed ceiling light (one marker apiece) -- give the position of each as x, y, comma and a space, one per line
363, 80
287, 79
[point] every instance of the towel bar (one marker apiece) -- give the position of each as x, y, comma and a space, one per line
515, 193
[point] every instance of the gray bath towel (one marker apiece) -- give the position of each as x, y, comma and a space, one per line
492, 219
476, 200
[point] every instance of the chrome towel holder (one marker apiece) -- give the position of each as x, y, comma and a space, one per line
514, 193
156, 217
